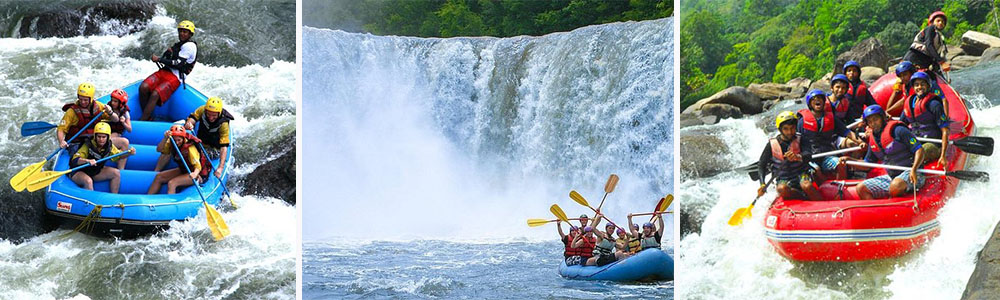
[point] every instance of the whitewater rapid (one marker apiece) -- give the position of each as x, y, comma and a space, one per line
724, 262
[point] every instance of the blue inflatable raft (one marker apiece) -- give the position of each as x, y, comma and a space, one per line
131, 212
647, 265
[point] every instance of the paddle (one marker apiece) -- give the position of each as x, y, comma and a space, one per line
215, 222
973, 144
36, 128
963, 175
558, 212
752, 168
212, 170
744, 212
579, 199
652, 213
540, 222
19, 181
43, 179
608, 188
662, 205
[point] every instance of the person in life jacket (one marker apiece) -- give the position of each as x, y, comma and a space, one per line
901, 90
845, 106
924, 112
213, 129
857, 88
177, 62
584, 221
77, 115
604, 251
635, 237
651, 235
820, 131
178, 177
89, 153
621, 243
571, 255
928, 49
890, 142
583, 244
790, 167
120, 121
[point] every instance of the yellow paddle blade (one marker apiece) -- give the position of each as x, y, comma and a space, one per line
43, 179
612, 182
537, 222
666, 202
215, 223
578, 198
20, 180
740, 215
556, 210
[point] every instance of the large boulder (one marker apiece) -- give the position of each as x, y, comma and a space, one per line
129, 16
822, 84
737, 96
709, 114
974, 42
954, 51
868, 52
704, 155
769, 90
984, 283
870, 74
964, 61
798, 86
275, 178
990, 55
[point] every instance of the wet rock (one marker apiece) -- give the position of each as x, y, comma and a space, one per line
985, 280
275, 178
130, 16
964, 61
769, 90
870, 74
798, 86
990, 55
974, 42
690, 222
704, 155
738, 96
709, 114
868, 52
954, 51
23, 215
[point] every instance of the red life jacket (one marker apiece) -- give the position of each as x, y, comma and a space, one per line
570, 250
840, 107
859, 91
83, 116
191, 140
891, 152
119, 127
776, 149
809, 121
587, 250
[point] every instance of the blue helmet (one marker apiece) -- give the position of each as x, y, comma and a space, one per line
872, 110
814, 93
851, 63
647, 225
573, 227
904, 66
839, 77
921, 75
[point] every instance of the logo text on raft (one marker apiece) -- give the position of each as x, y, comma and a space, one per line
64, 206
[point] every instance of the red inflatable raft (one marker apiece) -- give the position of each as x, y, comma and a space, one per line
844, 228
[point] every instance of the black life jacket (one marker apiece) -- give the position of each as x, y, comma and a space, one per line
174, 54
208, 132
96, 152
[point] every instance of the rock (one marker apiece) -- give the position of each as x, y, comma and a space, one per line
991, 54
709, 114
985, 280
798, 86
131, 16
692, 118
738, 96
704, 155
870, 74
769, 90
822, 84
868, 52
964, 61
275, 178
954, 51
974, 42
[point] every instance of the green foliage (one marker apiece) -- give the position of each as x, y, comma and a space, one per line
775, 40
502, 18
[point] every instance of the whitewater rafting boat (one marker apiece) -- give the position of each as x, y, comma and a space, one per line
844, 228
131, 212
647, 265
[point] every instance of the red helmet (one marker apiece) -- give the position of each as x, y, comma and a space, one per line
178, 130
935, 15
120, 95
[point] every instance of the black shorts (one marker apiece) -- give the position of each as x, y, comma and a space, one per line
90, 171
606, 259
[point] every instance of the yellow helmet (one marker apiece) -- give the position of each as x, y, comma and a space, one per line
785, 116
214, 104
102, 127
186, 25
85, 89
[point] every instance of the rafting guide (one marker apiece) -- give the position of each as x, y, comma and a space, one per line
176, 63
